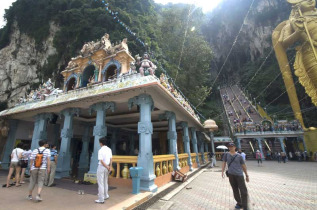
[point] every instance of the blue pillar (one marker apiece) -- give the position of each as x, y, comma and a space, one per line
194, 141
114, 141
201, 147
212, 146
64, 157
13, 125
40, 132
84, 155
184, 125
238, 143
100, 130
172, 137
145, 130
281, 139
260, 147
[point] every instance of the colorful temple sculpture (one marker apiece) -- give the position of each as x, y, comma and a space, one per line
109, 93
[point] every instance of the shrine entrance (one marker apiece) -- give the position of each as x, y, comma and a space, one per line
88, 73
71, 84
110, 73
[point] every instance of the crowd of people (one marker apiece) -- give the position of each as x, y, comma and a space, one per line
42, 162
265, 127
39, 163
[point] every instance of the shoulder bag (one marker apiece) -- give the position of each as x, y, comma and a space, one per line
227, 174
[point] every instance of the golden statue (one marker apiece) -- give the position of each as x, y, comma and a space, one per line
300, 28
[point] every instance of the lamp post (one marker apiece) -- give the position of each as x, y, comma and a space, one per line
211, 126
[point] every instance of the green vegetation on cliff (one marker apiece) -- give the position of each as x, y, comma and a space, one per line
81, 21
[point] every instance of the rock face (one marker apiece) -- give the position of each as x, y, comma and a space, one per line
254, 40
20, 64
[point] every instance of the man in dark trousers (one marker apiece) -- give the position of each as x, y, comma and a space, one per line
236, 167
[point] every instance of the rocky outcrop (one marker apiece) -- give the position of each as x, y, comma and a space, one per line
254, 41
21, 62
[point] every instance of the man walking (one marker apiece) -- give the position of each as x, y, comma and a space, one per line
49, 178
236, 167
40, 165
103, 170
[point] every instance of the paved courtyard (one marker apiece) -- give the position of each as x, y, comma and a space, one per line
274, 186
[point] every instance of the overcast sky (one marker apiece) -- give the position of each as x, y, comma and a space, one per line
207, 5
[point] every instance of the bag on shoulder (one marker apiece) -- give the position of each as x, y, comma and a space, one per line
39, 159
20, 162
227, 173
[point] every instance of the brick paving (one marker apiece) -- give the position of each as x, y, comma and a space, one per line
273, 186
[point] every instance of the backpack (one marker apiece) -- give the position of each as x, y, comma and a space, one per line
39, 159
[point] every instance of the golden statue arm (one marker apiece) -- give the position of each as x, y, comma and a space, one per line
285, 69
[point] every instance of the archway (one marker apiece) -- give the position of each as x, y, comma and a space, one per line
111, 70
71, 84
88, 73
110, 73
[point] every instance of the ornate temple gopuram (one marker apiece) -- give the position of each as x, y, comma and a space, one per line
107, 92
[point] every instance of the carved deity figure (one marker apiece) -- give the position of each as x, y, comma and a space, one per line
300, 28
124, 45
147, 67
106, 42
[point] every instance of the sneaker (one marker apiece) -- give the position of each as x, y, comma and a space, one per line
29, 197
107, 198
238, 206
38, 198
98, 201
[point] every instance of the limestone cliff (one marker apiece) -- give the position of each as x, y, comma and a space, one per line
254, 41
21, 62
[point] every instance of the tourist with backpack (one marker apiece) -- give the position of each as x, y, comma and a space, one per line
40, 165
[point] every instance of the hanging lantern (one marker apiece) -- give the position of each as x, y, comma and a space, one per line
210, 125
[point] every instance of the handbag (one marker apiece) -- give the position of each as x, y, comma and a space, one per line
20, 162
227, 173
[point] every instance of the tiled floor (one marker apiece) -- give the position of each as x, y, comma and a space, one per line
273, 186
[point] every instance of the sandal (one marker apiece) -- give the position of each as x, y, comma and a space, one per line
22, 182
18, 185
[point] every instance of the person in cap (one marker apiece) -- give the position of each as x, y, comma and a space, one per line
258, 157
236, 167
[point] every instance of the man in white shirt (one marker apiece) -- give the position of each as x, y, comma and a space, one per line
103, 170
243, 155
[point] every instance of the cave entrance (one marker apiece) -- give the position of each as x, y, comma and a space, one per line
110, 73
71, 84
88, 73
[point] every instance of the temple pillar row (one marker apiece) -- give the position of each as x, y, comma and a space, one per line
172, 136
184, 125
201, 147
84, 155
40, 129
194, 142
64, 157
145, 130
13, 125
100, 130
